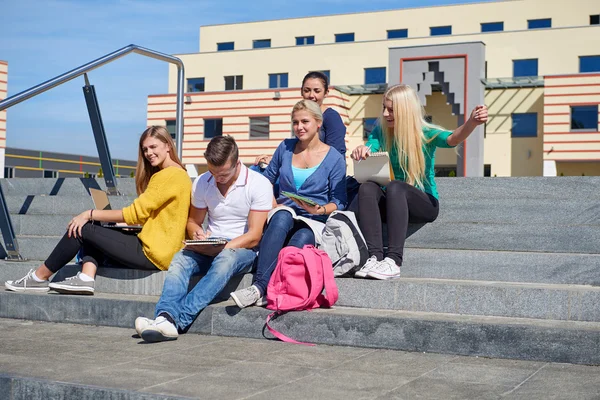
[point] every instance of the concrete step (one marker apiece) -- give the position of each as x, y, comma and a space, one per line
62, 186
501, 299
58, 205
501, 337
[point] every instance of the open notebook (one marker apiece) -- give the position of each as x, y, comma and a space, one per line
101, 202
377, 168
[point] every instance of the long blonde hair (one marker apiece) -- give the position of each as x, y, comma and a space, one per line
145, 170
407, 134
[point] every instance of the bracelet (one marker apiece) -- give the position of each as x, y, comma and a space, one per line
92, 215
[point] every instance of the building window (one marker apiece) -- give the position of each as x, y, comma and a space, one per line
50, 174
213, 127
278, 81
225, 46
344, 37
259, 127
589, 64
261, 43
195, 85
525, 67
492, 26
9, 172
375, 75
595, 19
235, 82
397, 34
368, 125
524, 125
539, 23
440, 30
171, 127
304, 40
584, 118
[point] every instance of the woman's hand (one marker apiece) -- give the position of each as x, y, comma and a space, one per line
361, 153
314, 210
479, 115
77, 223
262, 159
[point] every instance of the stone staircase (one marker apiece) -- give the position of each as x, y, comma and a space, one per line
510, 269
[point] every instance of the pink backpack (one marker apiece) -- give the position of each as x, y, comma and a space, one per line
297, 284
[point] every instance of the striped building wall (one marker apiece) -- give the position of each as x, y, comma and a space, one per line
573, 151
236, 108
3, 95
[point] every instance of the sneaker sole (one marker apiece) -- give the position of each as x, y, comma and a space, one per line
382, 277
12, 288
360, 274
72, 290
237, 301
154, 336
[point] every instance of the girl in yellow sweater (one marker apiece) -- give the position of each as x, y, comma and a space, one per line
164, 190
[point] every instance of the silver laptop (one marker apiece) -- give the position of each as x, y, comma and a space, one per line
101, 202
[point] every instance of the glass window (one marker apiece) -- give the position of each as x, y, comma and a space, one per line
278, 81
595, 19
368, 125
259, 127
375, 75
539, 23
492, 26
9, 172
344, 37
584, 117
225, 46
213, 127
50, 174
525, 67
524, 125
397, 33
235, 82
195, 85
440, 30
170, 123
261, 43
304, 40
589, 64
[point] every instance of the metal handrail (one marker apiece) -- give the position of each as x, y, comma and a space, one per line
132, 48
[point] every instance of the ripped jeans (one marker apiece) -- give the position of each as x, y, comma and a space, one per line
182, 306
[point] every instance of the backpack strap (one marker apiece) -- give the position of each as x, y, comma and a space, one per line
312, 261
280, 335
331, 290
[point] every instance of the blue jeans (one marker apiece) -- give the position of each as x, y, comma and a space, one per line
283, 230
182, 306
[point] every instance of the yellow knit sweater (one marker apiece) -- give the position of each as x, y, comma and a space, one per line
163, 209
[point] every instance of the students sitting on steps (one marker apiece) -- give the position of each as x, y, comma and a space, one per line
236, 201
163, 186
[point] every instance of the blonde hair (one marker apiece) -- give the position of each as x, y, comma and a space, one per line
407, 134
311, 107
144, 170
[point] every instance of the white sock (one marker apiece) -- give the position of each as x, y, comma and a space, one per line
85, 278
35, 278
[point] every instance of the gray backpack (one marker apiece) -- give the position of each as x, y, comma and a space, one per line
344, 243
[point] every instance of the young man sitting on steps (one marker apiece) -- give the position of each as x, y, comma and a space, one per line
236, 201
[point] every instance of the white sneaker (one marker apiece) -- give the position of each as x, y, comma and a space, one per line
369, 265
160, 331
246, 297
386, 269
142, 323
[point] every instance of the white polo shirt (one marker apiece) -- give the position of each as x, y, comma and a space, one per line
228, 215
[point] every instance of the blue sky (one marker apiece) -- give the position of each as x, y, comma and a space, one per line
44, 38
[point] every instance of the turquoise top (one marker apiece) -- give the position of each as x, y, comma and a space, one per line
302, 174
440, 139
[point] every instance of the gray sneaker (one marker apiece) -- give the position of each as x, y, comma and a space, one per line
27, 284
246, 297
73, 285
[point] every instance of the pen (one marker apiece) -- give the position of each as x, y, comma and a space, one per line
368, 149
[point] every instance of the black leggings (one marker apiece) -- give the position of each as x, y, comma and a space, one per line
99, 243
398, 205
